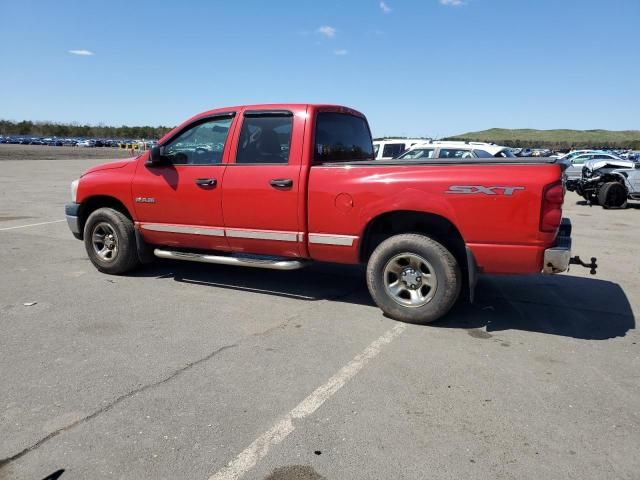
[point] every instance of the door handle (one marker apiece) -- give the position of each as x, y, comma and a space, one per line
281, 183
206, 182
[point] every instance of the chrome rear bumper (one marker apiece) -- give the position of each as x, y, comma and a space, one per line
558, 257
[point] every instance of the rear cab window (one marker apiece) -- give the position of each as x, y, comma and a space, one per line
341, 137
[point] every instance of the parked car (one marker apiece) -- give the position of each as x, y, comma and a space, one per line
392, 148
86, 143
577, 162
525, 152
609, 182
298, 183
456, 150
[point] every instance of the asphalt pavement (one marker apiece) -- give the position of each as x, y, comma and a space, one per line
209, 372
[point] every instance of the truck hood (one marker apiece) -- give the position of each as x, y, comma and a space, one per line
593, 165
109, 166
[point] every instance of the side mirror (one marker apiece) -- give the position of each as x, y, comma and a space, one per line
155, 156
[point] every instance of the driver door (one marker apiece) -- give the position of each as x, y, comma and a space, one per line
179, 202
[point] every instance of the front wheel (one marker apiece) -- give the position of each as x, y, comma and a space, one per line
413, 278
110, 241
613, 195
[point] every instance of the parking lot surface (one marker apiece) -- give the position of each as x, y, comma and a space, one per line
193, 371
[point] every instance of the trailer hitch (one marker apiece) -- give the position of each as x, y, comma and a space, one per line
592, 266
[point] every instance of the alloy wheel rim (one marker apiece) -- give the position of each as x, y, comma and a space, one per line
105, 242
410, 280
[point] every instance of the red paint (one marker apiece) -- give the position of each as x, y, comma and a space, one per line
507, 233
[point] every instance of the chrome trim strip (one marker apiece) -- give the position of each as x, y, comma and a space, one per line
327, 239
262, 235
275, 264
188, 229
315, 238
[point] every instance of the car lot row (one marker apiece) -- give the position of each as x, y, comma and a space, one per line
387, 149
77, 142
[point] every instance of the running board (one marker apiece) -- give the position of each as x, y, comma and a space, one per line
257, 262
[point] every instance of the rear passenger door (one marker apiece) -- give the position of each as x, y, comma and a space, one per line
261, 194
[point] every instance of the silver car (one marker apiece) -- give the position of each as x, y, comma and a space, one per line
575, 164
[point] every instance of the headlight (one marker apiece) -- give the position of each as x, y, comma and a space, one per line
74, 189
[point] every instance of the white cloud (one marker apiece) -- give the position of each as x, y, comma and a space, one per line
385, 8
340, 52
327, 31
82, 53
452, 3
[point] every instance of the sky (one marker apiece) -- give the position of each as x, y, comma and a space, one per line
414, 67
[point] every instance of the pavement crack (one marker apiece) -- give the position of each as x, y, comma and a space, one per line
5, 461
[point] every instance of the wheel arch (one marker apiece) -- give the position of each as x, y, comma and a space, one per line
91, 204
397, 222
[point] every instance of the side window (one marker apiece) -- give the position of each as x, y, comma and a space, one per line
265, 138
418, 153
201, 144
392, 150
454, 153
376, 149
341, 137
580, 159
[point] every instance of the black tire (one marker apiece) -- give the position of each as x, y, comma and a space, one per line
441, 263
612, 195
119, 233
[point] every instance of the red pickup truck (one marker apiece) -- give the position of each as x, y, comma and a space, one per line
278, 186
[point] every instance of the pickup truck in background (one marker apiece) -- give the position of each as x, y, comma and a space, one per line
279, 186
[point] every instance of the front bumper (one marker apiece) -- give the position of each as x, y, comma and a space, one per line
558, 257
73, 220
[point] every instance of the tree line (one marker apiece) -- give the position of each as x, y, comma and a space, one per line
50, 129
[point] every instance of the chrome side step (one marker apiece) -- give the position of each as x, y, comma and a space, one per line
257, 262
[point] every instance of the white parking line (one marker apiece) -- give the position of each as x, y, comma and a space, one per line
31, 225
248, 458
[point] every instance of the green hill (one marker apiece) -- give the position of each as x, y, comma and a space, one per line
555, 138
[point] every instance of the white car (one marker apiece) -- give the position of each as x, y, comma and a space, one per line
456, 150
393, 147
86, 143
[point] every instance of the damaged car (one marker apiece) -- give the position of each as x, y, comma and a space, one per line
608, 182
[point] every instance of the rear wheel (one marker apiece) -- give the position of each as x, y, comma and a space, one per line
413, 278
612, 195
110, 241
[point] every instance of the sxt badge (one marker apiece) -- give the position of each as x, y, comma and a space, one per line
468, 189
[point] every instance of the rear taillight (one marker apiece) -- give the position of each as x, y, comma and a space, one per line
551, 212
